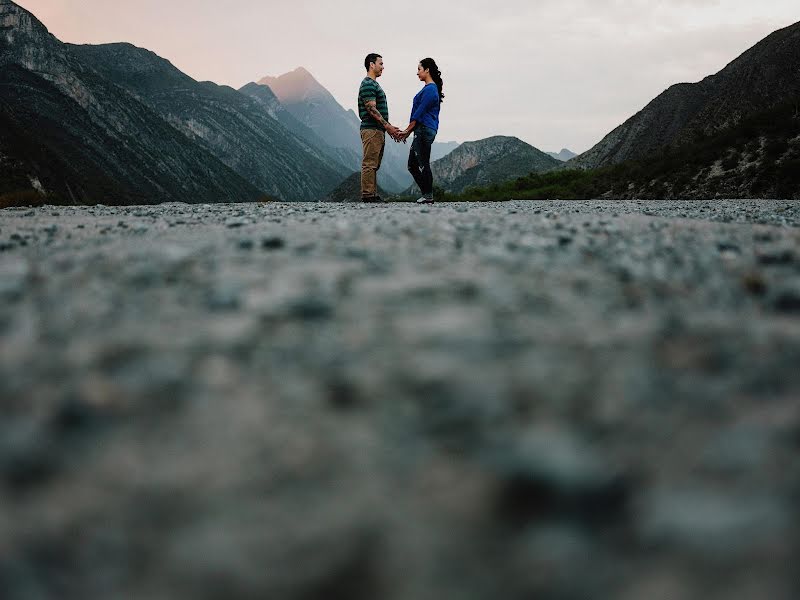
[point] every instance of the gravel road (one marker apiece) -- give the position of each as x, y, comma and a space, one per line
550, 400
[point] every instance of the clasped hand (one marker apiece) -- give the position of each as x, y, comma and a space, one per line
399, 135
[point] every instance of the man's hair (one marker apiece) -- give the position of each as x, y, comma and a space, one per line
371, 58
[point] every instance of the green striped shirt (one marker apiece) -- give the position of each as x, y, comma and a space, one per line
371, 90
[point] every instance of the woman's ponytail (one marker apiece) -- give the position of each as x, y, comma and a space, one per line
436, 75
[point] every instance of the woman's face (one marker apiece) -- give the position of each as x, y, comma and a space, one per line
422, 73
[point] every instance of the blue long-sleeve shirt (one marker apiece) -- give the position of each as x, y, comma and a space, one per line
425, 110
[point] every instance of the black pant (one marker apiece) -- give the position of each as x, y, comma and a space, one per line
419, 159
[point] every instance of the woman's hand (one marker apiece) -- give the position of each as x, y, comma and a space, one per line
405, 134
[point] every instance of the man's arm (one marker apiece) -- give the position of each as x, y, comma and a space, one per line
372, 109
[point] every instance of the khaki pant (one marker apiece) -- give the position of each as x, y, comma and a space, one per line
374, 142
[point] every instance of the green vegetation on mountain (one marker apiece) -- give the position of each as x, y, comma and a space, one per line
757, 158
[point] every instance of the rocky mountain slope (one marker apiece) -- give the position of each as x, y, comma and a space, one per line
231, 125
760, 79
489, 161
267, 99
316, 108
758, 158
70, 136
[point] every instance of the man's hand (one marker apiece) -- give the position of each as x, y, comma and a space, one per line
393, 131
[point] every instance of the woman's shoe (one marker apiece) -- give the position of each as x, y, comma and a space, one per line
425, 200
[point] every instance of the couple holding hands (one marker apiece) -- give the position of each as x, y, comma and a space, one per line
374, 112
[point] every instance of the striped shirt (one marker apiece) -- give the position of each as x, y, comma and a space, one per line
371, 90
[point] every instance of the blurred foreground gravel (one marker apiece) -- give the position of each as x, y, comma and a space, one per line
549, 400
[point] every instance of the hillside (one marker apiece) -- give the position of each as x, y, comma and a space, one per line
231, 125
486, 162
70, 136
760, 79
266, 98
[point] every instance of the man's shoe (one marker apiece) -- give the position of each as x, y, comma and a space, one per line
425, 200
371, 199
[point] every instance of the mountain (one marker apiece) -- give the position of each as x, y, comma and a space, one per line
314, 106
266, 98
759, 80
441, 149
68, 135
757, 158
232, 126
564, 155
487, 162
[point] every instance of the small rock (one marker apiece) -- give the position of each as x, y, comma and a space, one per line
711, 523
310, 308
235, 222
786, 297
755, 284
225, 296
776, 255
13, 279
273, 243
553, 473
728, 248
27, 456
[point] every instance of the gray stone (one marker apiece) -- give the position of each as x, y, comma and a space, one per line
14, 276
273, 242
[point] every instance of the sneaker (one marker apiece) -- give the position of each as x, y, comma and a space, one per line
425, 200
372, 199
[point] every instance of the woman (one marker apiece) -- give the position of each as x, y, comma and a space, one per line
425, 125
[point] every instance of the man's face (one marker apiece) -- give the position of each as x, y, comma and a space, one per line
378, 68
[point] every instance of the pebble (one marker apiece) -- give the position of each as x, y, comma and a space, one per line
14, 275
235, 223
786, 296
711, 524
273, 243
776, 255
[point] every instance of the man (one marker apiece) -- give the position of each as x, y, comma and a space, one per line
374, 113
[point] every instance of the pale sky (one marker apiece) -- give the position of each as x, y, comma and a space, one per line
555, 73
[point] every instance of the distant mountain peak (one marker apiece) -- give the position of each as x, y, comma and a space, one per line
491, 160
296, 86
565, 155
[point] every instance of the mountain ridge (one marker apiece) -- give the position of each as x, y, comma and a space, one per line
94, 142
488, 161
757, 80
230, 125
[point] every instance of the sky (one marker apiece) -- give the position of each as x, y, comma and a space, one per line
555, 73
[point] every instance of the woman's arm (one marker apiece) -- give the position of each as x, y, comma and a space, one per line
404, 134
429, 99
